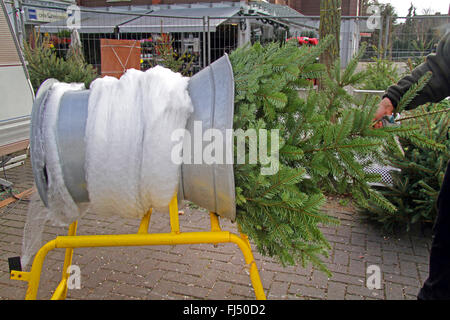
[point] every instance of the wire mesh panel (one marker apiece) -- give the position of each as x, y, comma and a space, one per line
415, 37
177, 38
224, 38
198, 34
173, 40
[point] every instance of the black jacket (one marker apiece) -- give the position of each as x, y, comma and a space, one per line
437, 88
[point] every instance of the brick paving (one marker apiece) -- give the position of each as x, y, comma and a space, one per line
209, 272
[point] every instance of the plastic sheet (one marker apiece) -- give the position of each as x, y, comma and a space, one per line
62, 210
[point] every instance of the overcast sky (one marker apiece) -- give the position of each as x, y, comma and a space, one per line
402, 6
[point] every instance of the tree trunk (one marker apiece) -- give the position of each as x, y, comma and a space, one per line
330, 23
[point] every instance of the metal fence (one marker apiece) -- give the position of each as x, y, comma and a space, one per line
403, 38
204, 35
414, 37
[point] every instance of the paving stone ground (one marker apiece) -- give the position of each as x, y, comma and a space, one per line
208, 272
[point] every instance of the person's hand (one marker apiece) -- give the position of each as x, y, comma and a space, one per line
384, 109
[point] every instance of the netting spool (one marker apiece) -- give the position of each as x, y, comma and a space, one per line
210, 186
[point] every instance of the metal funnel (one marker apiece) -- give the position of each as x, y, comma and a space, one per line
209, 186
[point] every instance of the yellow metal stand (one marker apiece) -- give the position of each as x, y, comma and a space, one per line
142, 238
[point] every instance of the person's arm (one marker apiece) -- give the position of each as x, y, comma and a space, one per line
437, 88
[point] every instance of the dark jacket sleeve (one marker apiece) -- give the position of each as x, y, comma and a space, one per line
437, 88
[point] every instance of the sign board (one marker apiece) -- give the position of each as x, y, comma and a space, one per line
46, 15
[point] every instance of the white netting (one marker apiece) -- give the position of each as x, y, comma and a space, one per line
385, 171
128, 140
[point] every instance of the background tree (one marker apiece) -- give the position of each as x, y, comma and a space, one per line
330, 24
378, 36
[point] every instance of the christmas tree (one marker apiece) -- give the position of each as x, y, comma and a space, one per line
416, 186
323, 138
44, 63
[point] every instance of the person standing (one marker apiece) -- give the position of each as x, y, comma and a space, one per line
437, 285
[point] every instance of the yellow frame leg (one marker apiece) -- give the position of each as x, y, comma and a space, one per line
61, 291
142, 238
245, 247
174, 215
143, 228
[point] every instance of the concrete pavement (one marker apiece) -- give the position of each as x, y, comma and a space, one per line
208, 272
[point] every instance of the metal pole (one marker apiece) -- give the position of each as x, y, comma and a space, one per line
386, 39
16, 24
209, 43
380, 36
204, 43
22, 25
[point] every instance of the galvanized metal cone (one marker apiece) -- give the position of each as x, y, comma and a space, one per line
210, 186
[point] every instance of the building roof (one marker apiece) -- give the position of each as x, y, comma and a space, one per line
150, 19
176, 17
180, 20
275, 9
292, 17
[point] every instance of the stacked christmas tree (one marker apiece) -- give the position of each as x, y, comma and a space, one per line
44, 63
422, 166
